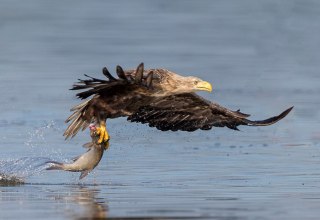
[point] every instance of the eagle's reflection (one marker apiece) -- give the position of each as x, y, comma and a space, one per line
84, 203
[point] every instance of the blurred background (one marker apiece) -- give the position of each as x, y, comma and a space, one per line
261, 57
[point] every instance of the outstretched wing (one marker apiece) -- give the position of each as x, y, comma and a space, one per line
189, 112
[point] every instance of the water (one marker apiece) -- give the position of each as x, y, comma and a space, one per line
16, 171
261, 56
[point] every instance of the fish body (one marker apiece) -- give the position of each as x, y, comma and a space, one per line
86, 162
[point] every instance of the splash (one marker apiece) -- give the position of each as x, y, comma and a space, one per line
42, 141
14, 172
37, 136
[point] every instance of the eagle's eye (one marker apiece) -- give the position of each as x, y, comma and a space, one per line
196, 82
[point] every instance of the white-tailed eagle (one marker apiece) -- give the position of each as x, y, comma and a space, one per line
158, 97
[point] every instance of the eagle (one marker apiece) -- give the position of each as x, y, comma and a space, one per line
157, 97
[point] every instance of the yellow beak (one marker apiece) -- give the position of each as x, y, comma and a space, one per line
204, 86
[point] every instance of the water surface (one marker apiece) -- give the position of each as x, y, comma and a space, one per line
261, 56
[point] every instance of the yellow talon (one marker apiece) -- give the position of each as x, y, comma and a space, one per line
103, 134
106, 137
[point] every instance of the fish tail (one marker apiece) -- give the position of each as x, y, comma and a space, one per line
55, 165
269, 121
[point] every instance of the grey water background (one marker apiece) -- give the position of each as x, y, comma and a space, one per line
261, 56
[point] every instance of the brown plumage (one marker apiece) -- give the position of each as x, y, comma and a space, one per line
158, 97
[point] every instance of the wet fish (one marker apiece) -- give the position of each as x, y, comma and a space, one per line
86, 162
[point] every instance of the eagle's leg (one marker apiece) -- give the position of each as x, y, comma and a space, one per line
103, 134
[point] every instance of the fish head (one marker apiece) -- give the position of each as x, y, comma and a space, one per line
93, 132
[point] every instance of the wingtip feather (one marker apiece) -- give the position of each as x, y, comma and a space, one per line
271, 120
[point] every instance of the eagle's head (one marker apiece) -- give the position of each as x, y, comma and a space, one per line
197, 84
175, 83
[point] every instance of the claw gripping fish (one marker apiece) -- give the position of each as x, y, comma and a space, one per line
86, 162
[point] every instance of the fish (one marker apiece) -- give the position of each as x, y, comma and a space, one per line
86, 162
